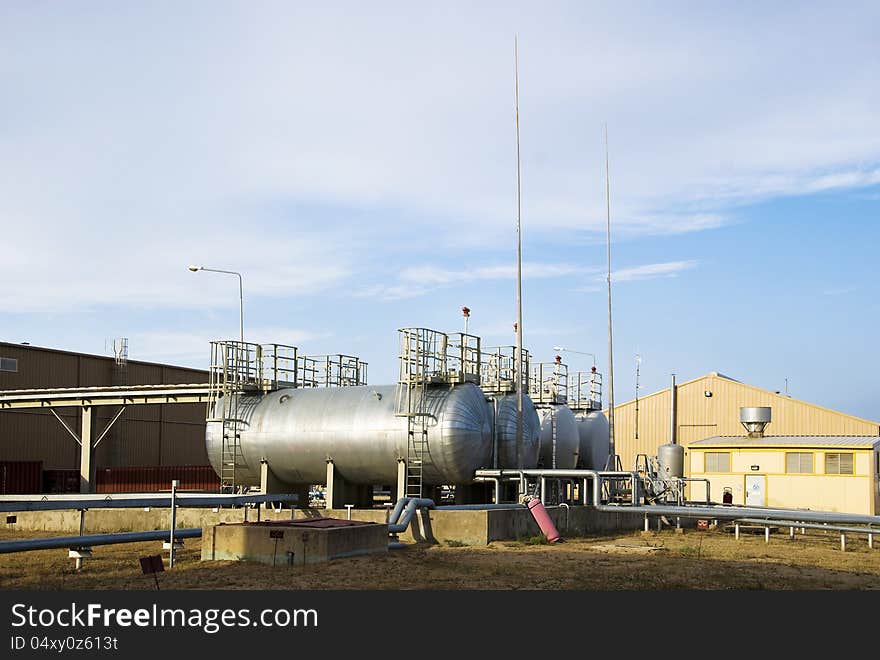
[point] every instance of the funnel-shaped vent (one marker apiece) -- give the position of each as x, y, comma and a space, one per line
755, 420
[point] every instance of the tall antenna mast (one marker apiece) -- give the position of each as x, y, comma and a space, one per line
638, 365
519, 324
611, 449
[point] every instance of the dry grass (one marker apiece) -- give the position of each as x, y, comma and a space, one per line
695, 560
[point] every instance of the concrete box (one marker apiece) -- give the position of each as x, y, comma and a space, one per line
293, 542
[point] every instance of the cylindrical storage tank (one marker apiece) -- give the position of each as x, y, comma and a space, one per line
670, 459
594, 445
298, 430
505, 427
567, 442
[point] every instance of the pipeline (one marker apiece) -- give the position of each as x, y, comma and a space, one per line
715, 511
13, 503
96, 539
408, 506
480, 507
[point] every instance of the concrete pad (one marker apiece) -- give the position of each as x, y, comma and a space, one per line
293, 542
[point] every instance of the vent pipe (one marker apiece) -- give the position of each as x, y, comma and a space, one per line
755, 420
672, 419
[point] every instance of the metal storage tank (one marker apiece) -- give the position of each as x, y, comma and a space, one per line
298, 430
670, 459
567, 438
594, 445
505, 424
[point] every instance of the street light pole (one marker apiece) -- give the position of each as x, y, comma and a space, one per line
196, 269
519, 319
612, 453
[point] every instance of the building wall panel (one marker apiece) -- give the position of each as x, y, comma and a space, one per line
144, 435
21, 477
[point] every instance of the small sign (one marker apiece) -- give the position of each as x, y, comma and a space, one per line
276, 533
152, 564
755, 468
11, 520
702, 524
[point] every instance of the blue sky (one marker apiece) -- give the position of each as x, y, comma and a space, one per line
356, 164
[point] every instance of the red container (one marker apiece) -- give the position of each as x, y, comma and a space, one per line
539, 513
21, 477
151, 479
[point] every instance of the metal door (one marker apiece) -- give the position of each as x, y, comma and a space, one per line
756, 490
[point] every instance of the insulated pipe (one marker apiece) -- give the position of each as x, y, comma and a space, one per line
397, 510
18, 503
409, 505
95, 539
485, 507
738, 513
719, 511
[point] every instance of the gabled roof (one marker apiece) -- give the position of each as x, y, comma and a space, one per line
715, 374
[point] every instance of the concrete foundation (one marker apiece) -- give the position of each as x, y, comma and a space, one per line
482, 527
439, 525
293, 542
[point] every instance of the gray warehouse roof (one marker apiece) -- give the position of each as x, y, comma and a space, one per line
865, 441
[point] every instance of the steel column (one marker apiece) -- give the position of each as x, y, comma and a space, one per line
86, 478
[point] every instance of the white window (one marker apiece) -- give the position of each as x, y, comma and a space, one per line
8, 364
838, 463
717, 461
799, 462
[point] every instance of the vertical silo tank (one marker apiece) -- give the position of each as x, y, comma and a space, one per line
298, 430
505, 426
567, 442
670, 461
594, 445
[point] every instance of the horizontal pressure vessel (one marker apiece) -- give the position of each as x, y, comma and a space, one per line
505, 427
298, 430
560, 442
594, 442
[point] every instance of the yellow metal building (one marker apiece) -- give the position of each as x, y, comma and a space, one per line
829, 473
708, 407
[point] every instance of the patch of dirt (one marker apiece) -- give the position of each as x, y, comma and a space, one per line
664, 560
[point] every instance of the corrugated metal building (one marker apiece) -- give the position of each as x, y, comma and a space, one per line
830, 473
709, 406
145, 435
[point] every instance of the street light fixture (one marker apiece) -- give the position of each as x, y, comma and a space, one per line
196, 269
568, 350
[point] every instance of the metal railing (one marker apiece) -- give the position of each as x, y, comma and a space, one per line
549, 382
331, 371
585, 390
463, 358
498, 369
237, 368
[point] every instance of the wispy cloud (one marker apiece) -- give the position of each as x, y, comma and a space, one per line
435, 275
840, 290
302, 113
419, 280
193, 348
651, 271
642, 272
